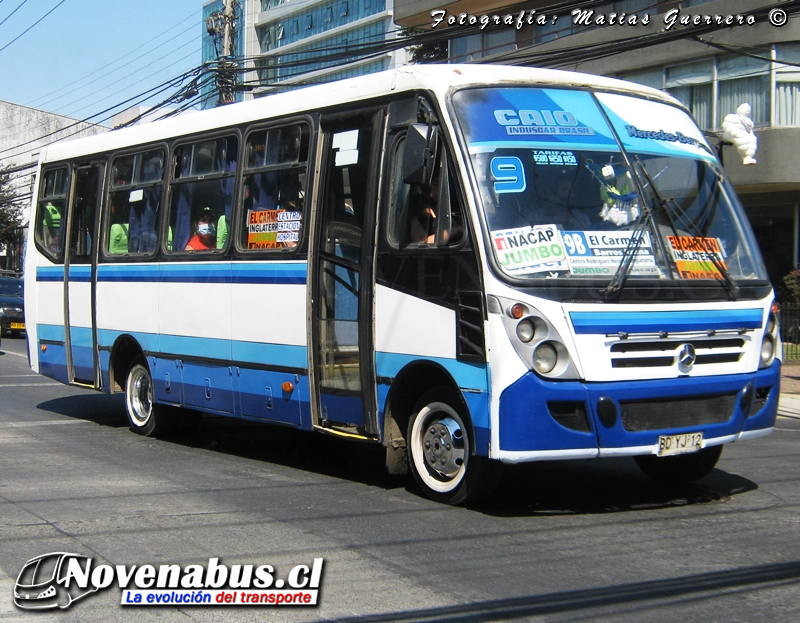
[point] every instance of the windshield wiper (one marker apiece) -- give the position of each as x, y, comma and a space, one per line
688, 224
629, 254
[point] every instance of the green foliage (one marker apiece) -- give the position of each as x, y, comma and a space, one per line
791, 287
433, 52
10, 210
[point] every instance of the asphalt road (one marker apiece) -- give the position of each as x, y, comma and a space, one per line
580, 541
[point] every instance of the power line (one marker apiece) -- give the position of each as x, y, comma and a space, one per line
137, 49
124, 78
32, 25
173, 83
14, 11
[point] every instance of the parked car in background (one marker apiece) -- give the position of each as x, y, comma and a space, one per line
12, 310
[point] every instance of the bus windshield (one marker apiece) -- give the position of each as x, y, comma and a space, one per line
578, 185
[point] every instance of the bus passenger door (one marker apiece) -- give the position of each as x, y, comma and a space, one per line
80, 270
343, 251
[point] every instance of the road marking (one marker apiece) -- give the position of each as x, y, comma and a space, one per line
30, 385
8, 352
40, 423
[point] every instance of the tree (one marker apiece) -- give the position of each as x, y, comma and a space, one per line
10, 210
432, 52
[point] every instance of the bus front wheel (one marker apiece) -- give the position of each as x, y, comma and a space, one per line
680, 469
439, 452
145, 416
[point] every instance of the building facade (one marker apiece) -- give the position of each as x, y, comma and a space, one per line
23, 133
712, 56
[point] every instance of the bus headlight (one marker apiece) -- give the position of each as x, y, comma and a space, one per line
537, 342
526, 330
770, 340
767, 351
545, 358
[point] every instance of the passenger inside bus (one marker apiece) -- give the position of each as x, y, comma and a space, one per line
423, 200
205, 237
51, 226
118, 232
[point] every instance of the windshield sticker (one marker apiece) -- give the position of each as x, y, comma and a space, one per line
525, 250
272, 229
560, 158
559, 118
509, 173
654, 127
694, 256
600, 253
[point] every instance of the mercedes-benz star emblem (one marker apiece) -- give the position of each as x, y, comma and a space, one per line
687, 356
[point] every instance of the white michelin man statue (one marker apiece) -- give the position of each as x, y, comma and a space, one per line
738, 129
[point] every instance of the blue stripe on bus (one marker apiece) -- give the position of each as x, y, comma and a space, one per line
49, 273
267, 273
50, 332
655, 321
285, 273
466, 375
78, 273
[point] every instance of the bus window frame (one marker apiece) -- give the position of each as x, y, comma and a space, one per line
239, 213
69, 165
105, 224
172, 182
445, 157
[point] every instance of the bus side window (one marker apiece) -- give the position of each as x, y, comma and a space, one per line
273, 191
202, 195
424, 215
135, 203
51, 217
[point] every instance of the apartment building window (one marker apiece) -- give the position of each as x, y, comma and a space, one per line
693, 85
650, 78
787, 85
744, 79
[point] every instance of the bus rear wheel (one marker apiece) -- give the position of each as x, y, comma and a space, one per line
680, 469
144, 415
439, 442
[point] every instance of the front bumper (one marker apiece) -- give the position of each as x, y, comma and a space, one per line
541, 420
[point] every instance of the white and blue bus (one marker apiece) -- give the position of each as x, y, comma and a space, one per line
470, 265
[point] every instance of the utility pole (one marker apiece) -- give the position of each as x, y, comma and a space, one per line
223, 26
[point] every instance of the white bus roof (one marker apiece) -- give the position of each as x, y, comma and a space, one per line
436, 78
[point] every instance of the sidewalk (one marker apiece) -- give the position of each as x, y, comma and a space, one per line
789, 403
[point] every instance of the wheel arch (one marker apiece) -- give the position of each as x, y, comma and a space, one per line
124, 351
413, 381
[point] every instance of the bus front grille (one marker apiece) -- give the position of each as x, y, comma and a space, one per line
683, 413
664, 353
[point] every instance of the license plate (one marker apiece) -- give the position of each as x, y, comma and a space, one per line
17, 326
679, 444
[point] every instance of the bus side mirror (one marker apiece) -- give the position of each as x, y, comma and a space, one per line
419, 159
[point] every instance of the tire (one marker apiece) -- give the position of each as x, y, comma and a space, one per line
144, 415
439, 442
680, 469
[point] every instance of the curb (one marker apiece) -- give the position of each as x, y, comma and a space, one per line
789, 405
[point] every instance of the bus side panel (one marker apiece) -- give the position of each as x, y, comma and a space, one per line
127, 304
50, 349
80, 321
265, 396
52, 352
411, 330
269, 340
